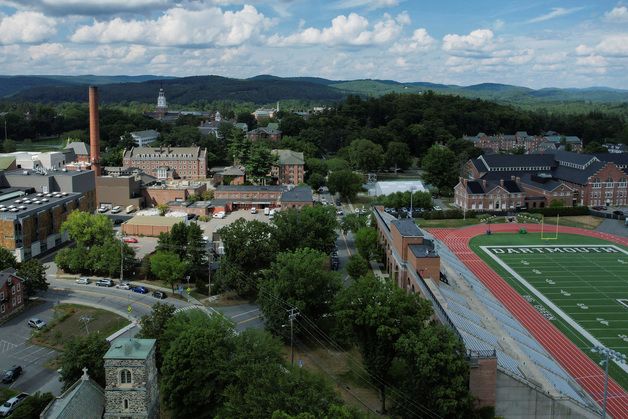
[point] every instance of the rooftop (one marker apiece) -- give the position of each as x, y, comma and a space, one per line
149, 133
407, 227
5, 275
130, 348
79, 147
84, 399
47, 172
425, 250
15, 203
289, 157
298, 194
153, 220
249, 188
164, 153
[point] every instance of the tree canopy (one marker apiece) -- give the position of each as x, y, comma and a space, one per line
313, 227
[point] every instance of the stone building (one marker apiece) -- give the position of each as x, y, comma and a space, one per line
132, 390
84, 399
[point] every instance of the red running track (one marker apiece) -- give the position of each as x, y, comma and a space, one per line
585, 371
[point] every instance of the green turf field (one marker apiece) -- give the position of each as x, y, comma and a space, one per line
579, 283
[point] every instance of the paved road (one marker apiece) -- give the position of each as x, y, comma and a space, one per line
616, 227
16, 350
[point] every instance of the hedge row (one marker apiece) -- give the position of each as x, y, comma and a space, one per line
553, 212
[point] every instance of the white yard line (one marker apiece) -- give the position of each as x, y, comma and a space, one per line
543, 298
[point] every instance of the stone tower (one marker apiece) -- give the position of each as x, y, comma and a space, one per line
132, 390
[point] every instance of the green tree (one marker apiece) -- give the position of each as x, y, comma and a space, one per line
163, 209
440, 167
299, 279
313, 227
33, 272
195, 362
316, 166
398, 155
88, 229
346, 183
168, 267
32, 406
376, 314
353, 222
84, 352
8, 146
357, 266
365, 155
366, 242
7, 259
337, 164
260, 161
292, 124
594, 147
239, 147
250, 247
316, 181
434, 372
153, 326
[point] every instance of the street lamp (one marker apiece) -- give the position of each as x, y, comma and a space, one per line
609, 355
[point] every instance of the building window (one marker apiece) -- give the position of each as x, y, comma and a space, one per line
1, 295
18, 285
19, 299
2, 308
13, 290
125, 377
13, 303
125, 404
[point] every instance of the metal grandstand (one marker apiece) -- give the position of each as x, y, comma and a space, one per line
512, 344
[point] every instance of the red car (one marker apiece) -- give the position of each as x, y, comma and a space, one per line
130, 240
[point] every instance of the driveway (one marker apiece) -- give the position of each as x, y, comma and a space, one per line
16, 350
616, 227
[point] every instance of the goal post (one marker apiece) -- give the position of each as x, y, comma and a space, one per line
554, 234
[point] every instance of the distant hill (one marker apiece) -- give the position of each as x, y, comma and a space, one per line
185, 90
268, 88
10, 85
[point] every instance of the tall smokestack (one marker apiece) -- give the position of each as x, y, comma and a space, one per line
94, 130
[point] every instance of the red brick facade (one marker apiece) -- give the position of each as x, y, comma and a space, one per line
167, 162
11, 294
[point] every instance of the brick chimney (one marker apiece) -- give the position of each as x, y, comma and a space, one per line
94, 130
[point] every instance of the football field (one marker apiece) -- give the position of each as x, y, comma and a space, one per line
578, 283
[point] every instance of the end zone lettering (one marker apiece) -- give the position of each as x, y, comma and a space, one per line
554, 249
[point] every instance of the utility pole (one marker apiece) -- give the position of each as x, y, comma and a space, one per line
609, 355
210, 259
292, 314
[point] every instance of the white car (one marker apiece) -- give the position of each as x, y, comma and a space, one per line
36, 323
437, 208
82, 280
116, 209
219, 214
11, 404
124, 286
102, 210
253, 210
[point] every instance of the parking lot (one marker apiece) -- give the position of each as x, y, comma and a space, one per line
16, 350
215, 224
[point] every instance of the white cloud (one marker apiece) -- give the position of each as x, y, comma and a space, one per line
610, 46
420, 41
477, 43
618, 14
368, 4
88, 7
344, 30
179, 27
498, 24
26, 27
556, 12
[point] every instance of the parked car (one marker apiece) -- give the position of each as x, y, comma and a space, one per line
159, 294
11, 374
104, 283
338, 202
437, 208
10, 405
340, 212
253, 210
123, 286
36, 323
140, 290
599, 208
103, 210
618, 212
266, 211
363, 211
219, 214
83, 280
129, 240
116, 209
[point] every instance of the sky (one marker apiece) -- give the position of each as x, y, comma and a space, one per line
569, 43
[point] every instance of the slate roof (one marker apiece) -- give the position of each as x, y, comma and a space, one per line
79, 147
547, 185
231, 171
511, 186
523, 160
249, 188
130, 348
576, 175
620, 159
149, 133
475, 187
479, 165
265, 130
6, 161
298, 194
571, 157
407, 228
289, 157
85, 399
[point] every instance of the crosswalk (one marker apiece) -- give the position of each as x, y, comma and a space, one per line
6, 346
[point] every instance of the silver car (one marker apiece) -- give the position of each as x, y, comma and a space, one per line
36, 323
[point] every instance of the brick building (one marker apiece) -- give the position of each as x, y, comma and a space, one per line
290, 167
408, 253
11, 294
168, 162
162, 193
271, 196
509, 182
33, 206
507, 143
264, 133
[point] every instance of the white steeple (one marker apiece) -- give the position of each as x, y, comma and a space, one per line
161, 99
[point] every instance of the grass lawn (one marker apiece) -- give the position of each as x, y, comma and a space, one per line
48, 144
588, 284
68, 324
586, 222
